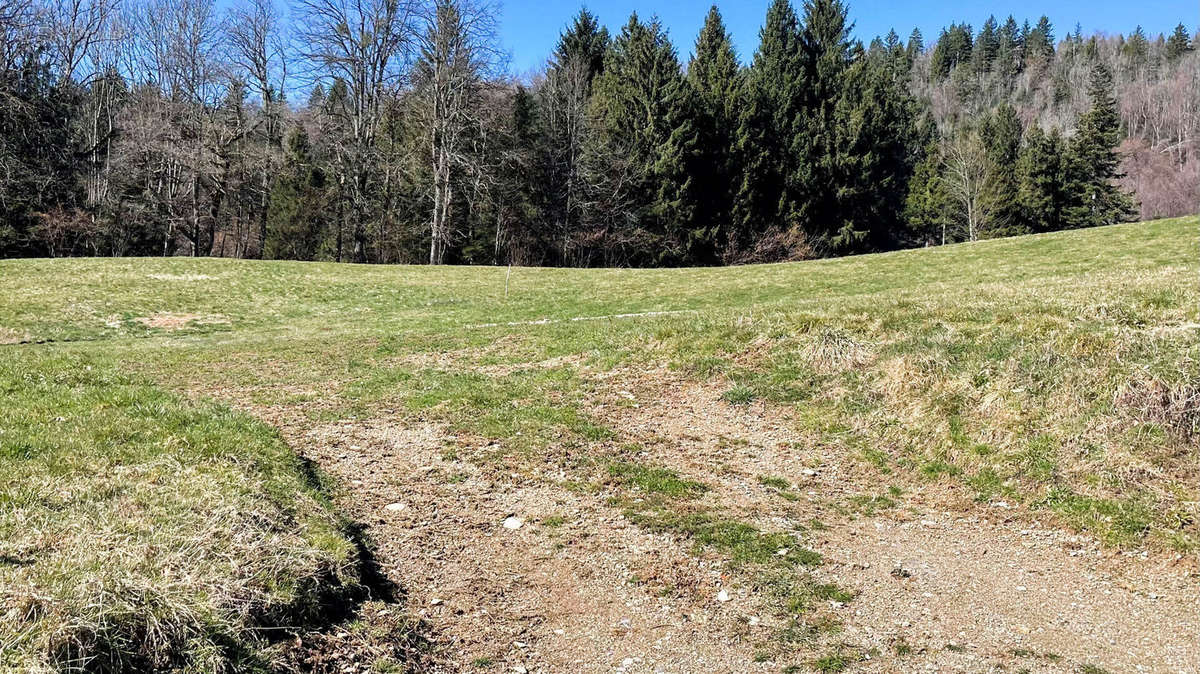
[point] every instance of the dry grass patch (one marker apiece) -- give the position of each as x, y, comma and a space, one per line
172, 321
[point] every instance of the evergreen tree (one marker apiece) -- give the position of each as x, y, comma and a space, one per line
926, 203
577, 60
826, 57
771, 100
1136, 49
1178, 44
1008, 49
953, 48
643, 151
987, 46
296, 212
1039, 43
1001, 136
584, 43
1041, 180
916, 45
871, 158
1094, 164
715, 77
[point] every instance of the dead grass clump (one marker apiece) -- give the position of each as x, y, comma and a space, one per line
833, 350
1174, 406
182, 277
10, 336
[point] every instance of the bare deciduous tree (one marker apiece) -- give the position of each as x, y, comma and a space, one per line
966, 173
364, 45
458, 52
259, 54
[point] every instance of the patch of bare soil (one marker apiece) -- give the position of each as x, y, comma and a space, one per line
941, 582
172, 321
574, 587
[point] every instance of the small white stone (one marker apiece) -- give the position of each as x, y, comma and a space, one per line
435, 601
722, 596
782, 552
627, 662
395, 507
513, 523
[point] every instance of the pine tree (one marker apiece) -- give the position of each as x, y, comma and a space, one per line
1041, 180
1001, 136
771, 99
643, 128
715, 77
1094, 165
1178, 44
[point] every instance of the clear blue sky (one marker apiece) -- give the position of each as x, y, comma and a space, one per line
530, 28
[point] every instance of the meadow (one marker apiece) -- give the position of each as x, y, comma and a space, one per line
155, 516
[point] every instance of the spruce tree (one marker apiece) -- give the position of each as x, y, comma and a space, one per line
926, 204
643, 151
916, 45
771, 99
1041, 180
577, 60
298, 202
1039, 43
870, 167
1001, 134
826, 53
1094, 165
714, 74
987, 46
1178, 44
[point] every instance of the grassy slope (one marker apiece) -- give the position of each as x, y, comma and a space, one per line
1055, 370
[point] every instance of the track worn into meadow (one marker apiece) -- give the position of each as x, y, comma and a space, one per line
940, 581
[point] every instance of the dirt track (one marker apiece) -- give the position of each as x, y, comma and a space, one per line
942, 583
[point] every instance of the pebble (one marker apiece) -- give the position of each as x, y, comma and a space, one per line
513, 523
722, 596
395, 507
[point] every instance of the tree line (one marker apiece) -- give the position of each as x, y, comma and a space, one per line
388, 131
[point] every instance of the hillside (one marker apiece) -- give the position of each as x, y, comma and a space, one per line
972, 456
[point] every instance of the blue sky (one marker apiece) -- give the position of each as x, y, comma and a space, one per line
530, 28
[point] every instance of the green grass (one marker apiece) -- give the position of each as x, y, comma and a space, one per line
141, 531
1056, 371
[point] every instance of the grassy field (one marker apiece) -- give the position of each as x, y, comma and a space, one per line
145, 524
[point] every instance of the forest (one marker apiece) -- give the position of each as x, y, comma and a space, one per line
391, 131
